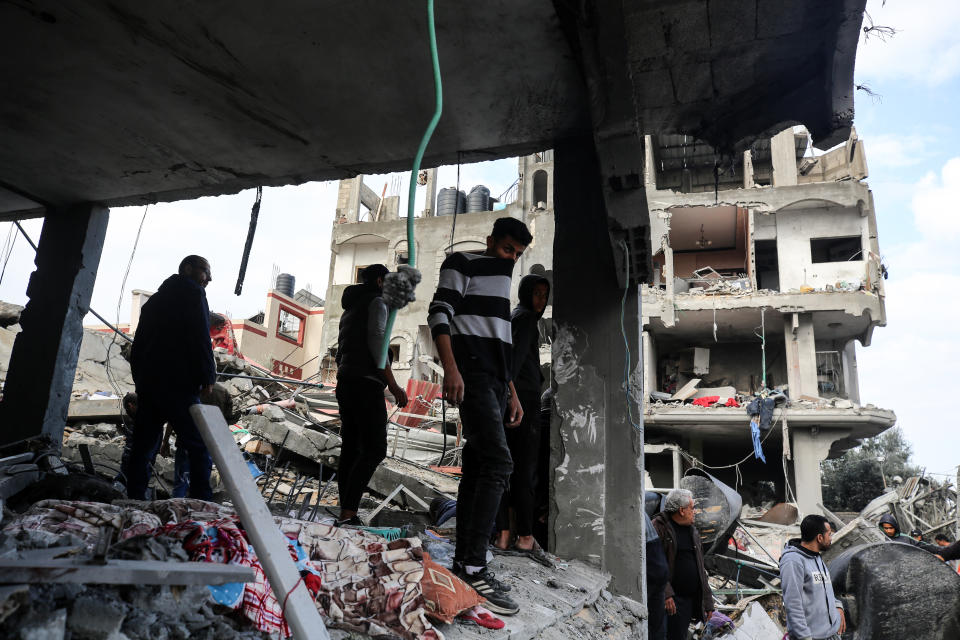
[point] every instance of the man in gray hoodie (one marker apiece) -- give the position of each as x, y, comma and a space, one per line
813, 613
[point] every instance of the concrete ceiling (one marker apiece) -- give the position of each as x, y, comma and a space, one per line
717, 225
126, 102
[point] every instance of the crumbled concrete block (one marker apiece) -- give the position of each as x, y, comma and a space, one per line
638, 609
50, 626
755, 624
95, 618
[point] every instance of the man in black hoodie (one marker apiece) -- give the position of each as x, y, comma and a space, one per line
889, 525
172, 363
524, 439
360, 384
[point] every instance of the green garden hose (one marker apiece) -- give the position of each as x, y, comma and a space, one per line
411, 245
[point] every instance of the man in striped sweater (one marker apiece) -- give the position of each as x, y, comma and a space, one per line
469, 318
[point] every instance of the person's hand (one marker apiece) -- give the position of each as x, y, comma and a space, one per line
940, 556
843, 621
452, 386
514, 412
399, 395
670, 606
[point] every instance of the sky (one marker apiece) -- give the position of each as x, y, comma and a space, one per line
912, 142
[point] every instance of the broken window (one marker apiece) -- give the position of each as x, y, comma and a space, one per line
403, 257
768, 268
394, 353
289, 326
837, 249
539, 187
358, 275
829, 374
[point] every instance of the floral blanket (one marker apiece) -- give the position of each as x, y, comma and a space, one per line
359, 581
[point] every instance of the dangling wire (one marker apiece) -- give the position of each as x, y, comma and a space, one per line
411, 244
8, 248
623, 332
763, 348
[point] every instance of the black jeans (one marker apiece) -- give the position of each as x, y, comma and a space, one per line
153, 411
678, 625
524, 444
363, 430
486, 466
656, 614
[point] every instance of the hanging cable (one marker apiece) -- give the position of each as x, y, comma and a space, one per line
95, 314
248, 245
623, 332
763, 349
411, 244
111, 378
8, 249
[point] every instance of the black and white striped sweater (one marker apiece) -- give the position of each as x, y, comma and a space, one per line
472, 306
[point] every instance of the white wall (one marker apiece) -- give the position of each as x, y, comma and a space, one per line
795, 228
353, 254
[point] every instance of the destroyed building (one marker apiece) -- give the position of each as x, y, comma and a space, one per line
767, 272
163, 104
369, 230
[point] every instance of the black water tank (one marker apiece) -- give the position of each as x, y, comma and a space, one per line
450, 200
285, 284
479, 199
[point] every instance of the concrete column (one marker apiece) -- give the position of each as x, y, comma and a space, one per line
810, 448
801, 355
649, 164
851, 376
649, 365
747, 170
44, 357
355, 185
430, 199
139, 298
596, 455
783, 155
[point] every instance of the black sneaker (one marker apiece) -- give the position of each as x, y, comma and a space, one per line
490, 588
353, 521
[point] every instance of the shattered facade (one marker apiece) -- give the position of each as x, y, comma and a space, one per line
767, 271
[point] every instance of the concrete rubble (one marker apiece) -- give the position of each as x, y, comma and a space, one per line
289, 434
293, 449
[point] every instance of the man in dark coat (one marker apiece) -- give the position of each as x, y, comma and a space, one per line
524, 439
172, 363
360, 384
687, 594
658, 575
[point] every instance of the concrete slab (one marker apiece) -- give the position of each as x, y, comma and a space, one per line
755, 624
107, 410
546, 597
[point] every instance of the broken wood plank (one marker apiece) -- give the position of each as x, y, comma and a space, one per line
121, 572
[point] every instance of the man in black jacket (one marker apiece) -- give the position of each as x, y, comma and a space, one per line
360, 383
524, 439
658, 574
172, 363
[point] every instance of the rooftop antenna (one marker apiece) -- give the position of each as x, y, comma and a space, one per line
273, 275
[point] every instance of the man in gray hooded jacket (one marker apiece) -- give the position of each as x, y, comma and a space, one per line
813, 613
